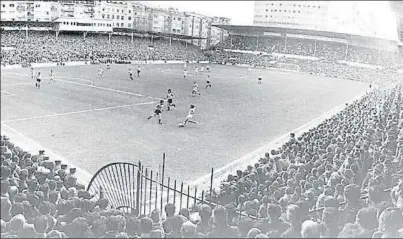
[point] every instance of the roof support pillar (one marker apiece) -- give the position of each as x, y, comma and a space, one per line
57, 34
85, 35
132, 37
170, 41
110, 36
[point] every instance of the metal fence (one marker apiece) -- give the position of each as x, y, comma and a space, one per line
139, 190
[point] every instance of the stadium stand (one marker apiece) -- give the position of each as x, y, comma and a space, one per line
340, 179
42, 46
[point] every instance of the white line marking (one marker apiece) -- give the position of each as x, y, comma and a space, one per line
77, 112
17, 84
7, 93
203, 74
253, 157
97, 87
32, 146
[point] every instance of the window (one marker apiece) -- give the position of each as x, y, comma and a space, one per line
103, 15
121, 24
4, 5
179, 19
275, 10
107, 16
130, 11
37, 5
117, 17
129, 18
117, 24
47, 13
122, 18
11, 5
281, 4
113, 16
129, 25
267, 10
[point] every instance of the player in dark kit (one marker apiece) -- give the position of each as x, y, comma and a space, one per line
130, 74
170, 97
158, 111
138, 71
259, 80
208, 83
38, 80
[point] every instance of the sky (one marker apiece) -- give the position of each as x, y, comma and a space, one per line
375, 15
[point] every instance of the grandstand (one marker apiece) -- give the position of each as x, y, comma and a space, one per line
339, 175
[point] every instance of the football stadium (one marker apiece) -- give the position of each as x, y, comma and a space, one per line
123, 119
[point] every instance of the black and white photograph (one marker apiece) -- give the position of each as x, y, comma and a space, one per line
201, 119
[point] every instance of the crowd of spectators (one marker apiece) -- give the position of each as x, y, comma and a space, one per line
327, 50
43, 46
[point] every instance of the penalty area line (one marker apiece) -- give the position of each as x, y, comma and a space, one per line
93, 86
77, 112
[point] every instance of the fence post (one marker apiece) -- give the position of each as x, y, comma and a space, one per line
187, 203
138, 190
175, 191
162, 179
156, 193
145, 191
211, 185
195, 199
180, 198
141, 188
151, 191
169, 181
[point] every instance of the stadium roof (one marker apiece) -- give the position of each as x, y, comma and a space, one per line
25, 23
260, 30
157, 34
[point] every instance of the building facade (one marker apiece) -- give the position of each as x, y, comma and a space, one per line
119, 14
312, 15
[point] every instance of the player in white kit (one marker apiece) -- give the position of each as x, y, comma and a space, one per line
32, 73
100, 72
52, 76
196, 70
185, 73
195, 89
189, 117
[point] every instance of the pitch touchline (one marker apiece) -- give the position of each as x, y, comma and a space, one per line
82, 175
77, 112
253, 156
7, 93
214, 76
96, 87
